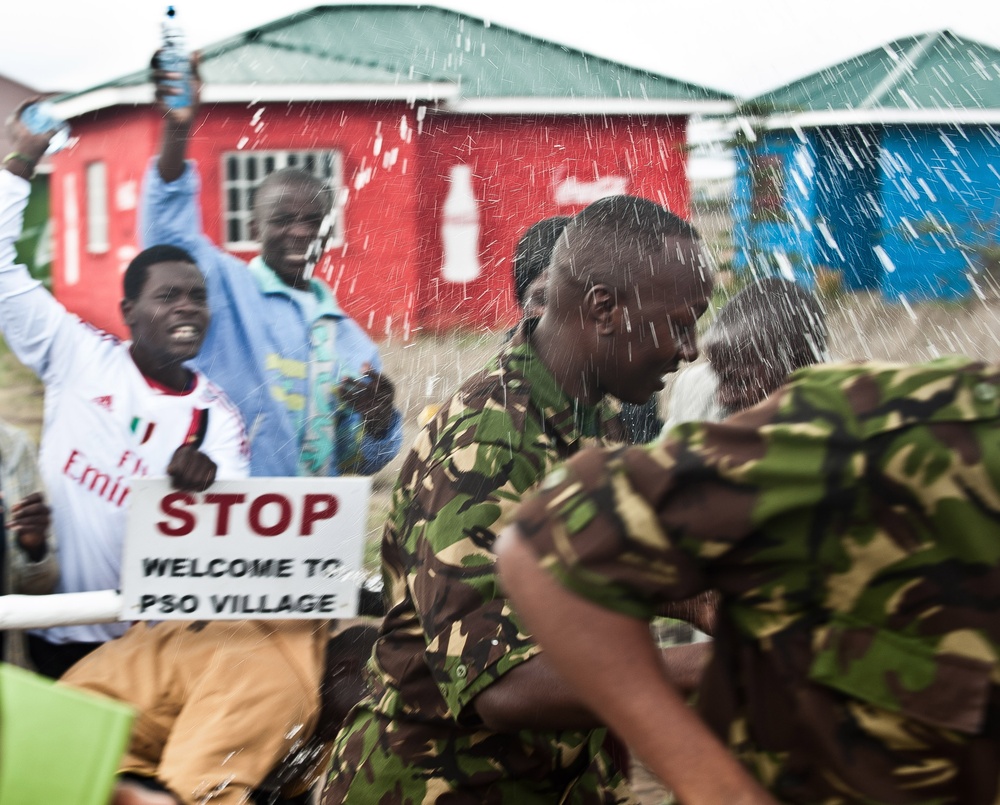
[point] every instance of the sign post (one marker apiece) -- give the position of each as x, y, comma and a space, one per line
262, 548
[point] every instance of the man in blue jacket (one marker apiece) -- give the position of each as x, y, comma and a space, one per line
305, 376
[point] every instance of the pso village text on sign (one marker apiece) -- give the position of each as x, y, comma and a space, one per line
258, 548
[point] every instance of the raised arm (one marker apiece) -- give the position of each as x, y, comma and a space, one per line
595, 650
170, 210
37, 328
176, 122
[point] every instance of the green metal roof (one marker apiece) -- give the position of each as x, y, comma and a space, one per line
408, 48
936, 72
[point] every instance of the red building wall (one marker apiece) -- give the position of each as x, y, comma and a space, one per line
85, 279
397, 164
526, 168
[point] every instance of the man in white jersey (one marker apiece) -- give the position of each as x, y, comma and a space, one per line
113, 410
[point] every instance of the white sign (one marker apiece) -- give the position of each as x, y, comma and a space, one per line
263, 548
571, 191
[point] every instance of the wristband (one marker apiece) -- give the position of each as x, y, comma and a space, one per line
31, 163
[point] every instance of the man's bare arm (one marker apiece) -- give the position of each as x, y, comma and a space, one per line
595, 650
535, 696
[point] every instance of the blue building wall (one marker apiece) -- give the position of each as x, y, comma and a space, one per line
788, 247
911, 210
940, 188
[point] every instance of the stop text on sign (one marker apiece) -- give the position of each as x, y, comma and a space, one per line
251, 548
266, 515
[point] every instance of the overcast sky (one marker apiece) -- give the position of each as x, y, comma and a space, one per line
742, 46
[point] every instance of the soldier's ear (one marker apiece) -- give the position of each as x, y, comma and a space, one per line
600, 306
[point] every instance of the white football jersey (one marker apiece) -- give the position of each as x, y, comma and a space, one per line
105, 423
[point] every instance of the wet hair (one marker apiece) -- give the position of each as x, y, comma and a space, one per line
138, 270
533, 252
611, 240
292, 177
773, 319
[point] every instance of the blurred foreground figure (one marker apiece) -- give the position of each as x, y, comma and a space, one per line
27, 549
114, 410
305, 376
227, 712
851, 523
759, 337
465, 708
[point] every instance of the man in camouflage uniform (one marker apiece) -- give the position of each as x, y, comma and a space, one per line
465, 708
852, 525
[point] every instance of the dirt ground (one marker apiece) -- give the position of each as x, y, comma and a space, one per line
429, 368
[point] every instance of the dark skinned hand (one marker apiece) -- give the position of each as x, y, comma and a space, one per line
30, 145
29, 519
186, 115
190, 470
371, 396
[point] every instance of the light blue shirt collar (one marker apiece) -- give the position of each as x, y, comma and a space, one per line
269, 282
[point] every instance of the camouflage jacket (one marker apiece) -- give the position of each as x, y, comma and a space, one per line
448, 632
852, 525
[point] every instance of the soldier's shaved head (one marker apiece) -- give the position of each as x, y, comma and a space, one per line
626, 284
617, 242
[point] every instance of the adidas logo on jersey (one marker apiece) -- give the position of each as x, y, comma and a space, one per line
103, 402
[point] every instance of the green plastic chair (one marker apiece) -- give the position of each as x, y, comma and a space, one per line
58, 746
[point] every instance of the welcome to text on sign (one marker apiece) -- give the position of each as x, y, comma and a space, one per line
259, 548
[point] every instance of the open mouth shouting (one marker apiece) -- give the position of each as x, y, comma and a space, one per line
186, 334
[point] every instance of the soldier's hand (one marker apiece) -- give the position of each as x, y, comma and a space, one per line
190, 470
161, 82
372, 396
29, 519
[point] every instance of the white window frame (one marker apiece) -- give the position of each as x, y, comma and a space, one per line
251, 167
98, 218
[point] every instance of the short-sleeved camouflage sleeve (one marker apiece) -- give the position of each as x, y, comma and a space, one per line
634, 528
601, 539
443, 528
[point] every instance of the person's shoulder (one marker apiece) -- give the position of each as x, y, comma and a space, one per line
478, 417
91, 343
888, 396
892, 379
213, 396
499, 395
346, 324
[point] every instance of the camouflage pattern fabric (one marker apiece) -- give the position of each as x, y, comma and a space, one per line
852, 525
449, 633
